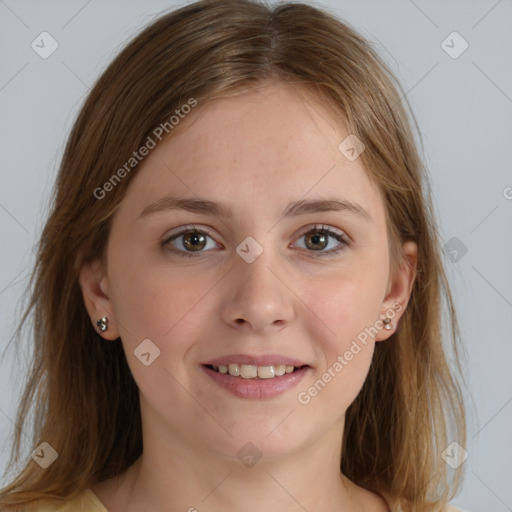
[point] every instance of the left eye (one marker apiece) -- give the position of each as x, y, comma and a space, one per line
320, 239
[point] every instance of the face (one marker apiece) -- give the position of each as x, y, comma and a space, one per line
286, 264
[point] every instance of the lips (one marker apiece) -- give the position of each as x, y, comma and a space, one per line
255, 377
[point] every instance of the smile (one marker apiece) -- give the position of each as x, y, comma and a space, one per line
255, 382
250, 371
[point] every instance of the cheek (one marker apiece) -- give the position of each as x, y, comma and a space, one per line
168, 315
347, 305
151, 305
172, 311
347, 301
345, 346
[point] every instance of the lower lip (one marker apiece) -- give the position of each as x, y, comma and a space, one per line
256, 389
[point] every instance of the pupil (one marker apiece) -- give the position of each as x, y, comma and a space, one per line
194, 241
318, 241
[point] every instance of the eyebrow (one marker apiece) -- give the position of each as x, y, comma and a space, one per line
293, 209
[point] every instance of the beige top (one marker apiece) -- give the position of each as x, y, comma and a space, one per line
89, 502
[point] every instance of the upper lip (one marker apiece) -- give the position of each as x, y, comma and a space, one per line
261, 360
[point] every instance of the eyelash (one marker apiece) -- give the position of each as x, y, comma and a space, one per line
340, 237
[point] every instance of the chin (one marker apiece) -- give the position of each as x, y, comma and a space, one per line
267, 439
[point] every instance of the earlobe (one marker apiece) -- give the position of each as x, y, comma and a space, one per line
399, 292
94, 285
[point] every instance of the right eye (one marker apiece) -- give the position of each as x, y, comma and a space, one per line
189, 242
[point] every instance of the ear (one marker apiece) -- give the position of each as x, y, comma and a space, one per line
94, 284
399, 290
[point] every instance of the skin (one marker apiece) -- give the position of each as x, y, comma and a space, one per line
255, 153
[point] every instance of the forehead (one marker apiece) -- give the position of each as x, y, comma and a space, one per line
270, 146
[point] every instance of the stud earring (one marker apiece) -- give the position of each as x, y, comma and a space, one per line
387, 324
102, 324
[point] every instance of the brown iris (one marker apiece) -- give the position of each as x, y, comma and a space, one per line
194, 241
318, 240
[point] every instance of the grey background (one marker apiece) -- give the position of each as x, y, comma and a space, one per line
463, 106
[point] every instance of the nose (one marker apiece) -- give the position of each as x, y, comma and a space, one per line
257, 297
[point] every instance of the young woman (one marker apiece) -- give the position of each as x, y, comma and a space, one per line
238, 292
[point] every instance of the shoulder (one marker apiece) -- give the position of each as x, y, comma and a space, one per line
86, 501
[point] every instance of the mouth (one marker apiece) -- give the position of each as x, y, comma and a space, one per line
255, 382
251, 371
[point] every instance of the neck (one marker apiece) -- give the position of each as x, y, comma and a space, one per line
176, 472
191, 477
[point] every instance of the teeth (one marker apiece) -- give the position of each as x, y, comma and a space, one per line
250, 371
279, 369
265, 372
234, 370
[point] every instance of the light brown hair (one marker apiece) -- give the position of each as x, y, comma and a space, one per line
80, 390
